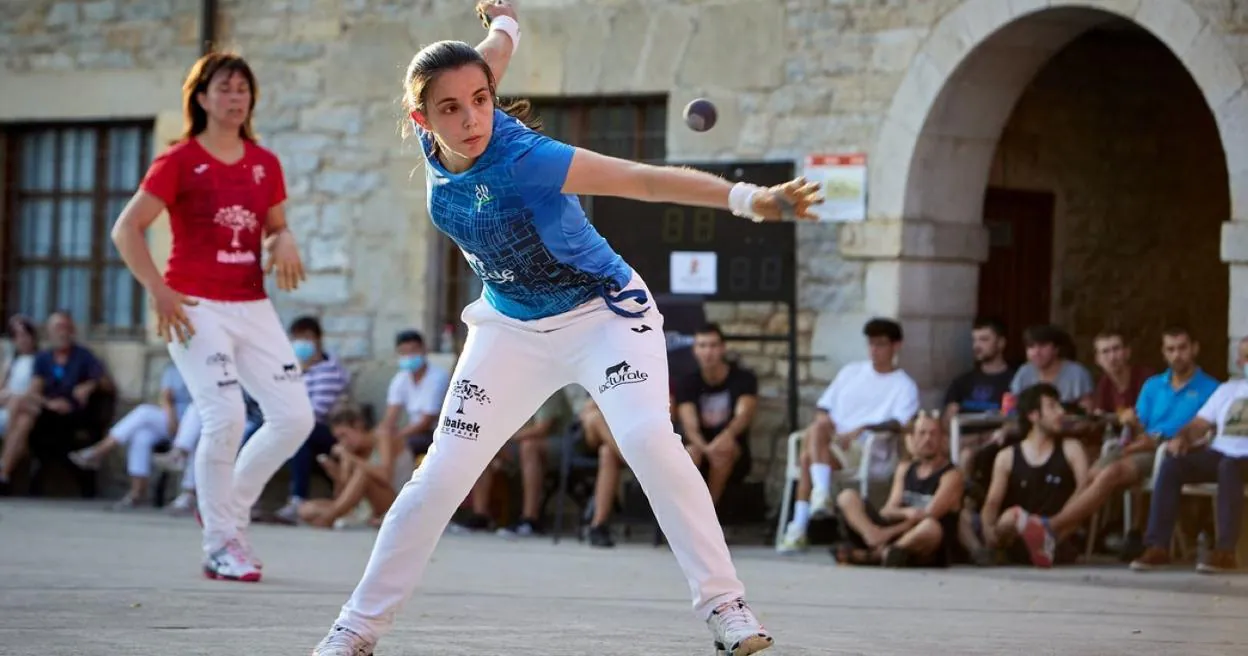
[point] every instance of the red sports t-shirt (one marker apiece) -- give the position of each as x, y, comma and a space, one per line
217, 213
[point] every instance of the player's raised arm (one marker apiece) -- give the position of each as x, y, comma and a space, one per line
592, 174
499, 17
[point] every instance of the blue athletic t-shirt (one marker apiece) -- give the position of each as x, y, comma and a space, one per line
531, 244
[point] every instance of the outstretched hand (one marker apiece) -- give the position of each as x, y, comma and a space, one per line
791, 200
488, 10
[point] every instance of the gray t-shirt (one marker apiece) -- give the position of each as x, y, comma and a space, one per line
1073, 382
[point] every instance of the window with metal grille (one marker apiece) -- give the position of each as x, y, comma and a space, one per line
65, 186
627, 127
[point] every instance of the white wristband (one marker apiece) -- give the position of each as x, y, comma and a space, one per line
741, 200
508, 26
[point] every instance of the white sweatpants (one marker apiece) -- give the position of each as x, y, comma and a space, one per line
240, 343
507, 369
187, 438
140, 431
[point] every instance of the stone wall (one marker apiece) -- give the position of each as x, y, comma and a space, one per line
1114, 126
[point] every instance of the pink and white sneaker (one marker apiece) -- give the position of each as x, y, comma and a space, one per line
1035, 533
230, 563
736, 631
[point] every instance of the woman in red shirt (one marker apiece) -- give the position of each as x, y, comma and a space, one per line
224, 196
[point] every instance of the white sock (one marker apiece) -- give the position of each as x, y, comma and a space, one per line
801, 514
821, 475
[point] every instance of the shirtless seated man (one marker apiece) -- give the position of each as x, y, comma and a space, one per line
355, 474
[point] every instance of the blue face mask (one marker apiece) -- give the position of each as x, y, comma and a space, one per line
304, 349
411, 362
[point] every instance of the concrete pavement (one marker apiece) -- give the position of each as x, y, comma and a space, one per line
78, 579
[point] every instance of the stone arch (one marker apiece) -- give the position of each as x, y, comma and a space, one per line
929, 167
990, 50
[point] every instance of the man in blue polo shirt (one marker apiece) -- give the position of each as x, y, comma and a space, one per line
65, 377
1167, 402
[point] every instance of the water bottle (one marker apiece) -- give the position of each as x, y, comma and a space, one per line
1202, 547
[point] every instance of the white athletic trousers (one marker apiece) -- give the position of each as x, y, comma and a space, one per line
240, 343
186, 440
140, 431
507, 369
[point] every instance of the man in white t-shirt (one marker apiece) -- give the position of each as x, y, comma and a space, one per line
1192, 458
417, 390
873, 394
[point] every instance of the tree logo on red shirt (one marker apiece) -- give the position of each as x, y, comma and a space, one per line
257, 173
236, 218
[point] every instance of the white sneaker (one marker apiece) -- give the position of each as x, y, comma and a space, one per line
85, 459
183, 505
128, 502
230, 563
342, 641
736, 631
820, 503
171, 461
289, 513
794, 540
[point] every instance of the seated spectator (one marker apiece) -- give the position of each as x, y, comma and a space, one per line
981, 389
417, 390
1167, 402
141, 431
356, 475
918, 524
868, 395
327, 382
607, 485
1120, 383
532, 443
1050, 359
1037, 476
1194, 459
1046, 363
716, 405
65, 378
19, 370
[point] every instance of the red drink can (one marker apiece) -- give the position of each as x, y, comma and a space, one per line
1008, 401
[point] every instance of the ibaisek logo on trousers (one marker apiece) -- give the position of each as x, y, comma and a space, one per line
621, 374
461, 428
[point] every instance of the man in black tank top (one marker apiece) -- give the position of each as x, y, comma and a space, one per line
1030, 480
918, 523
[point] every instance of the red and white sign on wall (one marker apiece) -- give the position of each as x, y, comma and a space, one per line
843, 181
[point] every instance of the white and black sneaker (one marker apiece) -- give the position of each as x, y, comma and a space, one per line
524, 528
230, 562
736, 631
342, 641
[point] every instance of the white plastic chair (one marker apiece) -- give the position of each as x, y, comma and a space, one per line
1209, 490
860, 475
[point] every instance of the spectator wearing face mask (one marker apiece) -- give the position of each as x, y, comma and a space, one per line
417, 391
327, 382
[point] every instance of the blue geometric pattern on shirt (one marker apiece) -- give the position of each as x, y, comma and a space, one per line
491, 218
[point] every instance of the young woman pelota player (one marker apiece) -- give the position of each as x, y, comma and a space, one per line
557, 308
224, 194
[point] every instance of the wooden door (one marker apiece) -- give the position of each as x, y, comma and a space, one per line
1015, 283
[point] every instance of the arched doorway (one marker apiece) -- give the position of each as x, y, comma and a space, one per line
982, 107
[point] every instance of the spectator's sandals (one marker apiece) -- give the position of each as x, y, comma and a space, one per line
846, 553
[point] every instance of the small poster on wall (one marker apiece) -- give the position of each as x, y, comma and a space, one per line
843, 181
694, 272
